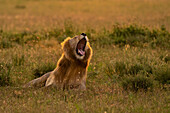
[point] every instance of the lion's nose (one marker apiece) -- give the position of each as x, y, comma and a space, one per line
83, 34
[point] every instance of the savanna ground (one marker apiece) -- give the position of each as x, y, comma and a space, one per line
129, 70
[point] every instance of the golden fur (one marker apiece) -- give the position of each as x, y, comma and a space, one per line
71, 70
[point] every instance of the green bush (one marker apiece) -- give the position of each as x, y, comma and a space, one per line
120, 35
137, 82
120, 68
134, 69
132, 77
132, 35
148, 68
138, 35
8, 39
162, 75
167, 59
120, 41
5, 43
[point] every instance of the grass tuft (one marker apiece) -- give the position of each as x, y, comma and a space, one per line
137, 82
162, 74
167, 59
134, 69
5, 70
18, 60
120, 68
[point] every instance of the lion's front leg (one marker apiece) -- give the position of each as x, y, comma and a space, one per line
50, 81
38, 82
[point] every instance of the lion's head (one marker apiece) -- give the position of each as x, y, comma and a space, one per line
77, 47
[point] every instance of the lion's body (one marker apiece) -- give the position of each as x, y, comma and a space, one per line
71, 70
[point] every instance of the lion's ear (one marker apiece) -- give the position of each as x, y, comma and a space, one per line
71, 42
65, 42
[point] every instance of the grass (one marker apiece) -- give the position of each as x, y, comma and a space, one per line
5, 78
43, 68
29, 15
129, 70
91, 101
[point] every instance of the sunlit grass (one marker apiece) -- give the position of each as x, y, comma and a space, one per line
32, 15
129, 70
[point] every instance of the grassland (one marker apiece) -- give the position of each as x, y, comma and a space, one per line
36, 14
129, 70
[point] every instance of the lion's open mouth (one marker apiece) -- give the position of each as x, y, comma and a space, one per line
81, 47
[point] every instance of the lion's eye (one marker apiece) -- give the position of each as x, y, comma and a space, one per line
75, 37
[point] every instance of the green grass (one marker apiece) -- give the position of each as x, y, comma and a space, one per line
44, 68
129, 70
31, 100
121, 77
5, 78
132, 35
31, 15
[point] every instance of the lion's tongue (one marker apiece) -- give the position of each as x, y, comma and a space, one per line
81, 52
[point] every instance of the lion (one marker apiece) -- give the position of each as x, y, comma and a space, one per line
71, 69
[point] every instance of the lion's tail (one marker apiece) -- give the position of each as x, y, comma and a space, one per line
39, 82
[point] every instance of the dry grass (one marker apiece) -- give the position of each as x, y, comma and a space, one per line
94, 100
104, 94
31, 43
32, 15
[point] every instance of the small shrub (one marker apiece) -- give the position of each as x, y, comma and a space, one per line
120, 68
163, 75
121, 41
8, 39
148, 68
19, 38
43, 68
137, 82
132, 35
167, 59
5, 70
134, 69
5, 43
138, 35
163, 41
142, 59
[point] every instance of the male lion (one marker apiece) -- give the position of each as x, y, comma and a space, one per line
71, 70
